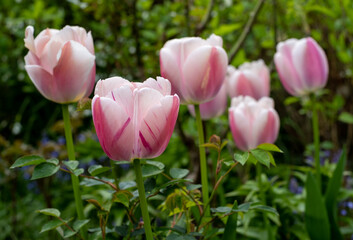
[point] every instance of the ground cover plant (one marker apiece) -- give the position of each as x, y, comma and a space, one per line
176, 119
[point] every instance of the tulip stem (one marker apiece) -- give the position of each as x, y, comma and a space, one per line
112, 164
316, 137
143, 200
74, 178
203, 162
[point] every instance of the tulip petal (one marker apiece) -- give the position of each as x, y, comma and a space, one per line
104, 87
29, 40
270, 131
162, 85
31, 59
204, 71
240, 128
114, 128
49, 56
157, 127
43, 81
73, 71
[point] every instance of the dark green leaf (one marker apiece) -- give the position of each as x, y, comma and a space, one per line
333, 188
269, 147
44, 170
27, 160
79, 171
156, 163
122, 197
52, 224
53, 161
69, 233
178, 172
72, 165
97, 169
230, 230
191, 187
241, 158
78, 224
221, 210
96, 204
261, 156
316, 219
122, 230
127, 184
265, 208
50, 212
150, 170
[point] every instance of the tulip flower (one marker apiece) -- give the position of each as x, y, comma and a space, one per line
302, 66
253, 122
213, 108
134, 120
195, 67
250, 79
61, 63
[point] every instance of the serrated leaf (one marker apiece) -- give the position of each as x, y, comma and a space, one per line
178, 172
160, 165
27, 160
97, 169
316, 218
44, 170
191, 187
50, 212
53, 161
241, 158
150, 170
265, 209
79, 171
52, 224
123, 197
269, 147
221, 210
346, 117
261, 156
72, 165
78, 224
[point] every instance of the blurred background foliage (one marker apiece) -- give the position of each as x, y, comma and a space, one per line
128, 35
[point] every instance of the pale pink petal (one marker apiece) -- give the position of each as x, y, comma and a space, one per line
270, 131
89, 43
157, 127
182, 48
44, 82
161, 84
204, 72
240, 128
215, 40
145, 99
49, 56
243, 86
114, 128
287, 74
124, 96
104, 87
31, 59
29, 39
73, 71
42, 39
89, 85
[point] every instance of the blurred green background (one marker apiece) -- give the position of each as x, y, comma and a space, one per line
127, 36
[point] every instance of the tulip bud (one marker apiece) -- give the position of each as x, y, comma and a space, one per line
195, 67
302, 66
61, 63
134, 120
253, 122
250, 79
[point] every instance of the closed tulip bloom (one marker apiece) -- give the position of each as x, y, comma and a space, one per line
61, 63
253, 122
213, 108
250, 79
134, 120
195, 67
302, 66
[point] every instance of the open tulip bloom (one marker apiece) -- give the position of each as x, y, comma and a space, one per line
134, 120
253, 122
302, 66
250, 79
195, 67
61, 63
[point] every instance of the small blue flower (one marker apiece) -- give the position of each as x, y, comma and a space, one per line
343, 212
61, 140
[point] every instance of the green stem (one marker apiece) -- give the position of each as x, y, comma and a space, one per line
203, 162
143, 200
316, 136
74, 178
112, 164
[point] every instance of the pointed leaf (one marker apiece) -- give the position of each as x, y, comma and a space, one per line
316, 219
156, 163
269, 147
44, 170
72, 165
53, 224
79, 171
27, 160
261, 156
78, 224
53, 161
150, 170
97, 169
241, 158
178, 172
230, 230
50, 212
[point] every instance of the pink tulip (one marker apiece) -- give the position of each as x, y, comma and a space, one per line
250, 79
134, 120
213, 108
195, 67
302, 66
253, 122
61, 63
